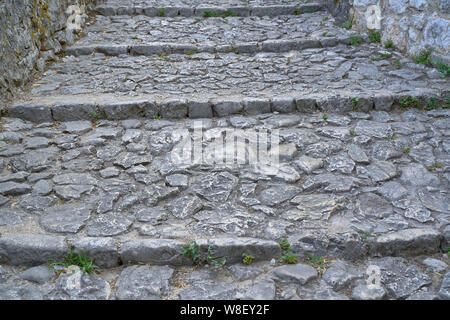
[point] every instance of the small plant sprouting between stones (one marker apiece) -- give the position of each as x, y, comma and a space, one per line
409, 102
212, 14
374, 36
192, 52
79, 259
390, 45
355, 103
406, 149
354, 40
436, 165
324, 116
247, 259
287, 256
349, 23
161, 12
200, 256
424, 57
433, 105
316, 262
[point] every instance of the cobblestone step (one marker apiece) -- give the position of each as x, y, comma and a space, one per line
347, 186
336, 79
400, 279
84, 107
207, 8
141, 35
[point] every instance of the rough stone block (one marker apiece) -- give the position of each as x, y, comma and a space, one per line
31, 249
73, 111
31, 111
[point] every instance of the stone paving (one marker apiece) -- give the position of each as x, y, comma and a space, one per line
360, 182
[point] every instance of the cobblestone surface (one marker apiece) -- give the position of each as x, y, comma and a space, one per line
355, 185
212, 31
342, 68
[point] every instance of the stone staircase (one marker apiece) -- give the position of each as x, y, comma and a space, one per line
86, 160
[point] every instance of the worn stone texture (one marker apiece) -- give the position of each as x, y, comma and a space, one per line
31, 33
412, 25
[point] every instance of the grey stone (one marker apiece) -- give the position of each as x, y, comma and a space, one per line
417, 175
66, 218
341, 163
283, 104
373, 129
381, 171
72, 191
144, 283
365, 292
36, 142
106, 202
131, 135
200, 109
435, 265
32, 112
42, 188
185, 206
224, 107
154, 215
40, 274
262, 290
392, 191
216, 187
277, 194
444, 291
155, 193
340, 275
329, 183
400, 279
357, 154
73, 111
12, 188
155, 251
177, 180
9, 218
31, 249
108, 224
127, 160
80, 285
308, 164
219, 291
298, 273
314, 206
76, 127
407, 242
15, 177
20, 292
109, 172
244, 272
372, 206
103, 251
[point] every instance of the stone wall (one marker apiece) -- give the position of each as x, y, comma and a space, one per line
412, 25
32, 32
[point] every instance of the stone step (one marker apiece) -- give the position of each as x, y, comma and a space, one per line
347, 186
82, 107
37, 249
339, 79
207, 8
141, 35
